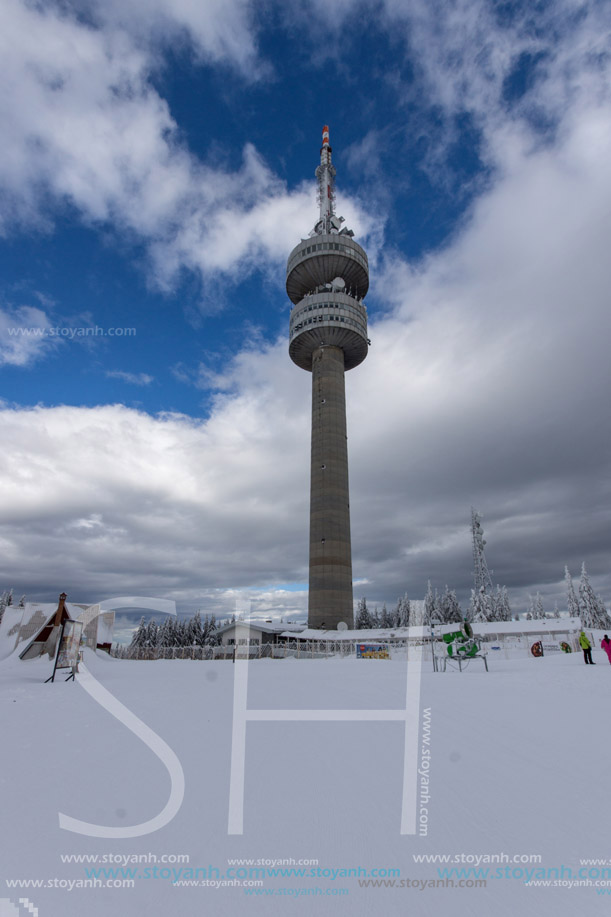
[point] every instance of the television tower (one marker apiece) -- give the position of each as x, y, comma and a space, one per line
327, 276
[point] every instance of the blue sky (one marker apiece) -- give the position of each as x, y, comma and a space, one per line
158, 168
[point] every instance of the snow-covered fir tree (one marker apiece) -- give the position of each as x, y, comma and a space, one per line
502, 608
481, 607
535, 609
593, 611
402, 612
571, 597
195, 630
449, 610
139, 636
165, 636
385, 617
430, 606
152, 633
363, 617
6, 599
210, 636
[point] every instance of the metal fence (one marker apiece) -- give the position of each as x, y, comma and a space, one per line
507, 646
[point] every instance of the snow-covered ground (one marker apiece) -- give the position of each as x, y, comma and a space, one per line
518, 766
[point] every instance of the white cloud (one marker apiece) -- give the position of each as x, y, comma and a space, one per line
132, 378
24, 335
84, 125
463, 56
220, 31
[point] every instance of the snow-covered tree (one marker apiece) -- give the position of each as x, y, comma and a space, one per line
386, 619
165, 636
152, 633
139, 636
556, 612
195, 630
449, 611
212, 638
536, 610
501, 604
481, 607
363, 617
402, 612
572, 600
593, 611
6, 599
430, 606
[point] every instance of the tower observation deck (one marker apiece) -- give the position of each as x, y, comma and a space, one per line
327, 278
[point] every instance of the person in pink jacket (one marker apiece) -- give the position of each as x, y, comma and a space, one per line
606, 646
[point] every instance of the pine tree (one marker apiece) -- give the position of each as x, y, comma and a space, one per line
556, 612
213, 638
501, 608
164, 637
386, 619
139, 636
536, 609
449, 611
481, 607
195, 630
363, 618
3, 603
593, 611
403, 612
152, 633
429, 606
572, 600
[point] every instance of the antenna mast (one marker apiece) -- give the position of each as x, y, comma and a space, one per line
325, 173
481, 574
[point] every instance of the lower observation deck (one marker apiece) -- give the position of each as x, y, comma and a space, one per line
335, 319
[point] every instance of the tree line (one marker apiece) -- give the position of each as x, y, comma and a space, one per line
444, 608
174, 632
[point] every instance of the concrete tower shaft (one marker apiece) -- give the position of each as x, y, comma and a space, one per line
330, 595
327, 277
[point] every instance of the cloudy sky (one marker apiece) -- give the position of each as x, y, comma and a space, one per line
157, 167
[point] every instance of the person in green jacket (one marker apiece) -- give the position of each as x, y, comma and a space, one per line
586, 647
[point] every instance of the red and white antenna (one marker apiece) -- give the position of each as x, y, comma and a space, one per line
325, 173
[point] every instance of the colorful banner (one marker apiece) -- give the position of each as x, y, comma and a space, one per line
372, 651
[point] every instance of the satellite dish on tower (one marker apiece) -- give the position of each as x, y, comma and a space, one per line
338, 284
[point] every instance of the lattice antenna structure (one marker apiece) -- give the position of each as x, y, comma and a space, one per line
481, 574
